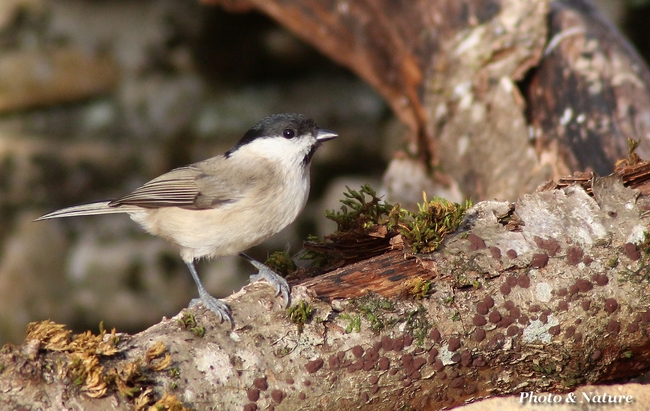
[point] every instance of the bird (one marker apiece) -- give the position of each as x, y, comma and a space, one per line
229, 203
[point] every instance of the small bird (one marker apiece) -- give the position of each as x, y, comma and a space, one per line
228, 203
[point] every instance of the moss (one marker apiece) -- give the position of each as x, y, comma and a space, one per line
359, 212
300, 313
188, 322
374, 308
354, 324
613, 262
169, 403
434, 220
363, 211
282, 263
417, 324
417, 288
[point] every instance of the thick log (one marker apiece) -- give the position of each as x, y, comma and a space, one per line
556, 303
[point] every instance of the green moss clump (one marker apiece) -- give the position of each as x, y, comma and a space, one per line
300, 313
282, 263
364, 213
434, 220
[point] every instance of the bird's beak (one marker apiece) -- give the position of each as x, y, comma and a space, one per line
324, 135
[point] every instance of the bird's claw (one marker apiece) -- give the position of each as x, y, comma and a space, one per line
275, 280
215, 305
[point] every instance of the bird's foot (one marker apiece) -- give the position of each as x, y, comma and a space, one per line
279, 283
215, 305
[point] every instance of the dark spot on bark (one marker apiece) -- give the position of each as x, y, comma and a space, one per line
554, 330
523, 281
476, 242
302, 396
479, 361
479, 320
570, 331
277, 396
574, 255
539, 260
543, 318
357, 351
438, 365
632, 251
494, 317
534, 308
334, 362
479, 335
611, 305
253, 394
457, 382
512, 331
384, 363
365, 397
313, 366
386, 343
563, 306
602, 280
586, 304
511, 253
645, 316
408, 340
481, 308
584, 285
613, 327
504, 289
505, 321
489, 301
562, 292
496, 252
368, 365
587, 260
596, 355
550, 245
250, 407
465, 358
632, 328
515, 312
260, 383
454, 344
435, 335
573, 289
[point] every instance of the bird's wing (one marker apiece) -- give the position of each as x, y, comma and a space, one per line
198, 186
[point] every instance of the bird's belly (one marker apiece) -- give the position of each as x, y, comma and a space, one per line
217, 232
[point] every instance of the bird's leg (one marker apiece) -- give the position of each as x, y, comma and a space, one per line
265, 273
211, 303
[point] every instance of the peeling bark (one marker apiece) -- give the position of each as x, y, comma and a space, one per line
556, 303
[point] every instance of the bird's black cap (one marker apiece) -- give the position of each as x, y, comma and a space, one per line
276, 124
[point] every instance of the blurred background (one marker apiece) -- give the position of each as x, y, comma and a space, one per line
98, 97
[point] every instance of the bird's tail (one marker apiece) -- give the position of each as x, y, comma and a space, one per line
101, 207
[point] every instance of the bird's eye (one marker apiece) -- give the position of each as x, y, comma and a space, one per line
288, 133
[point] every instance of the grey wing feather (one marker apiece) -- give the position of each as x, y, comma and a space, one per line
101, 207
198, 186
173, 189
